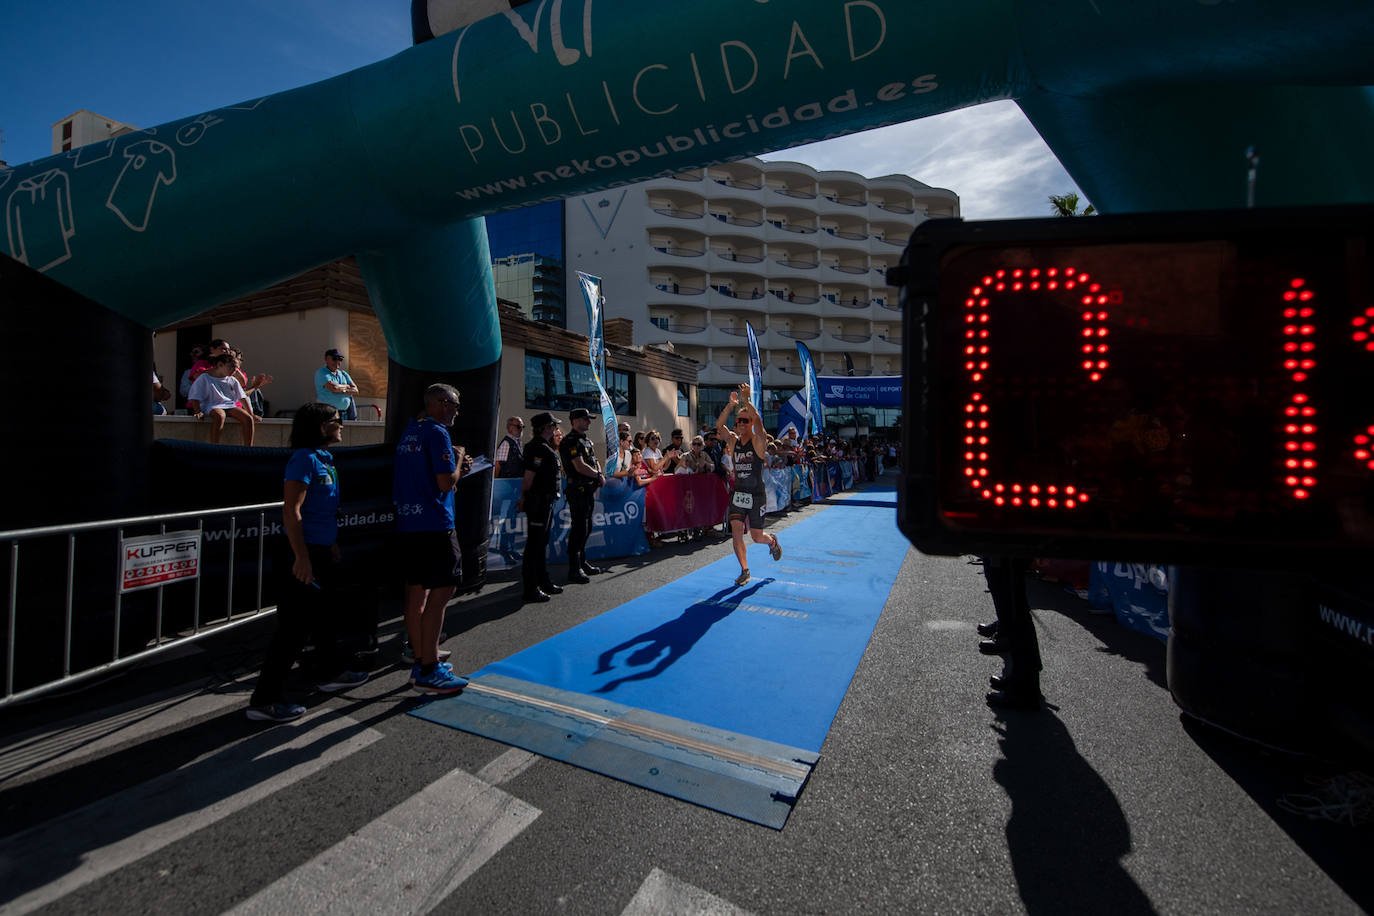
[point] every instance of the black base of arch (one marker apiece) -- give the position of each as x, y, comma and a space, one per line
80, 397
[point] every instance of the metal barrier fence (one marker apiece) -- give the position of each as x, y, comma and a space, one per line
159, 642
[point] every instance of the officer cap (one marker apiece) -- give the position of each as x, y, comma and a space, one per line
579, 413
541, 420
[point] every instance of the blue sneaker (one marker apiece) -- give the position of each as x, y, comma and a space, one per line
275, 712
343, 681
442, 682
415, 670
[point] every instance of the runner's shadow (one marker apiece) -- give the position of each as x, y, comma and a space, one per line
677, 636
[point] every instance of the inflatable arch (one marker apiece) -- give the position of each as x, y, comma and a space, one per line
1148, 105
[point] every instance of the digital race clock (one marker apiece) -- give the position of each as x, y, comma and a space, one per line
1190, 387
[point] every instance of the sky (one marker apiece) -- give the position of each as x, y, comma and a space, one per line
151, 61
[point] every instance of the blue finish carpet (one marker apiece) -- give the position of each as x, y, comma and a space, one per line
718, 694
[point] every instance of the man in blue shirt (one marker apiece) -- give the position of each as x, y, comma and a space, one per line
334, 386
428, 467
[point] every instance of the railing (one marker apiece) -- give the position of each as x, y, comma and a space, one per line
890, 306
883, 238
680, 214
680, 252
739, 258
848, 268
845, 201
738, 220
734, 368
736, 183
853, 338
853, 303
894, 208
846, 234
800, 195
119, 659
797, 263
687, 176
800, 335
789, 370
733, 295
679, 290
793, 297
804, 230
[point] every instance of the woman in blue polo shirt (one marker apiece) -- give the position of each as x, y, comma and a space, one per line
310, 503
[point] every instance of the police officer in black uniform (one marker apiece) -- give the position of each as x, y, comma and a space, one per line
538, 492
584, 478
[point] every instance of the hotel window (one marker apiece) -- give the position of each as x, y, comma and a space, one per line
554, 383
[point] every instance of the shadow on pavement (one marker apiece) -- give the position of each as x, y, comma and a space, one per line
1067, 833
1338, 847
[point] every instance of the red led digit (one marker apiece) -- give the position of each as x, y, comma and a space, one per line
1299, 315
1094, 333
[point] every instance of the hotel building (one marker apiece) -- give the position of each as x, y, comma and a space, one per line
800, 254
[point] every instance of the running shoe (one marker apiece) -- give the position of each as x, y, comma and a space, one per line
408, 656
415, 670
345, 680
776, 550
742, 578
275, 712
442, 682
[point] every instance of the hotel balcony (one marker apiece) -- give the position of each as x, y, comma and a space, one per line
783, 183
676, 241
784, 227
787, 295
741, 176
724, 299
674, 285
733, 211
728, 259
887, 343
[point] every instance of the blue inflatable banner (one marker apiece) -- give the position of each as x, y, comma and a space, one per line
617, 525
852, 391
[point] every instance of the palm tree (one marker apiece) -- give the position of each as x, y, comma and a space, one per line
1067, 205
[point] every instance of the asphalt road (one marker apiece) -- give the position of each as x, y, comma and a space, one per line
151, 793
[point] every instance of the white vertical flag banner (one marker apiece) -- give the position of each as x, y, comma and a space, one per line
596, 355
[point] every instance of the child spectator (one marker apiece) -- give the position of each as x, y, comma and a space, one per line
215, 395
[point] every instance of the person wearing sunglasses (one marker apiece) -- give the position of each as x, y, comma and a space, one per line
428, 467
747, 445
310, 590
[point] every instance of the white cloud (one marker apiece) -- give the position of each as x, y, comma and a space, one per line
989, 155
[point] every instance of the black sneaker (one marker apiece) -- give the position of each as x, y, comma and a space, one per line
275, 712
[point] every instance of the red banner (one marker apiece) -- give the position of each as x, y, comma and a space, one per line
680, 501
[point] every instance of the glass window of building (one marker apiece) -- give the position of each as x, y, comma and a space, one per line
554, 383
528, 260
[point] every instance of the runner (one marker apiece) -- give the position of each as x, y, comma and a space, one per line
747, 444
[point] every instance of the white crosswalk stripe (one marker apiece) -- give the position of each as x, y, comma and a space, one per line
412, 857
663, 895
123, 828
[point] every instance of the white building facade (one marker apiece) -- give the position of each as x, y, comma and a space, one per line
800, 254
